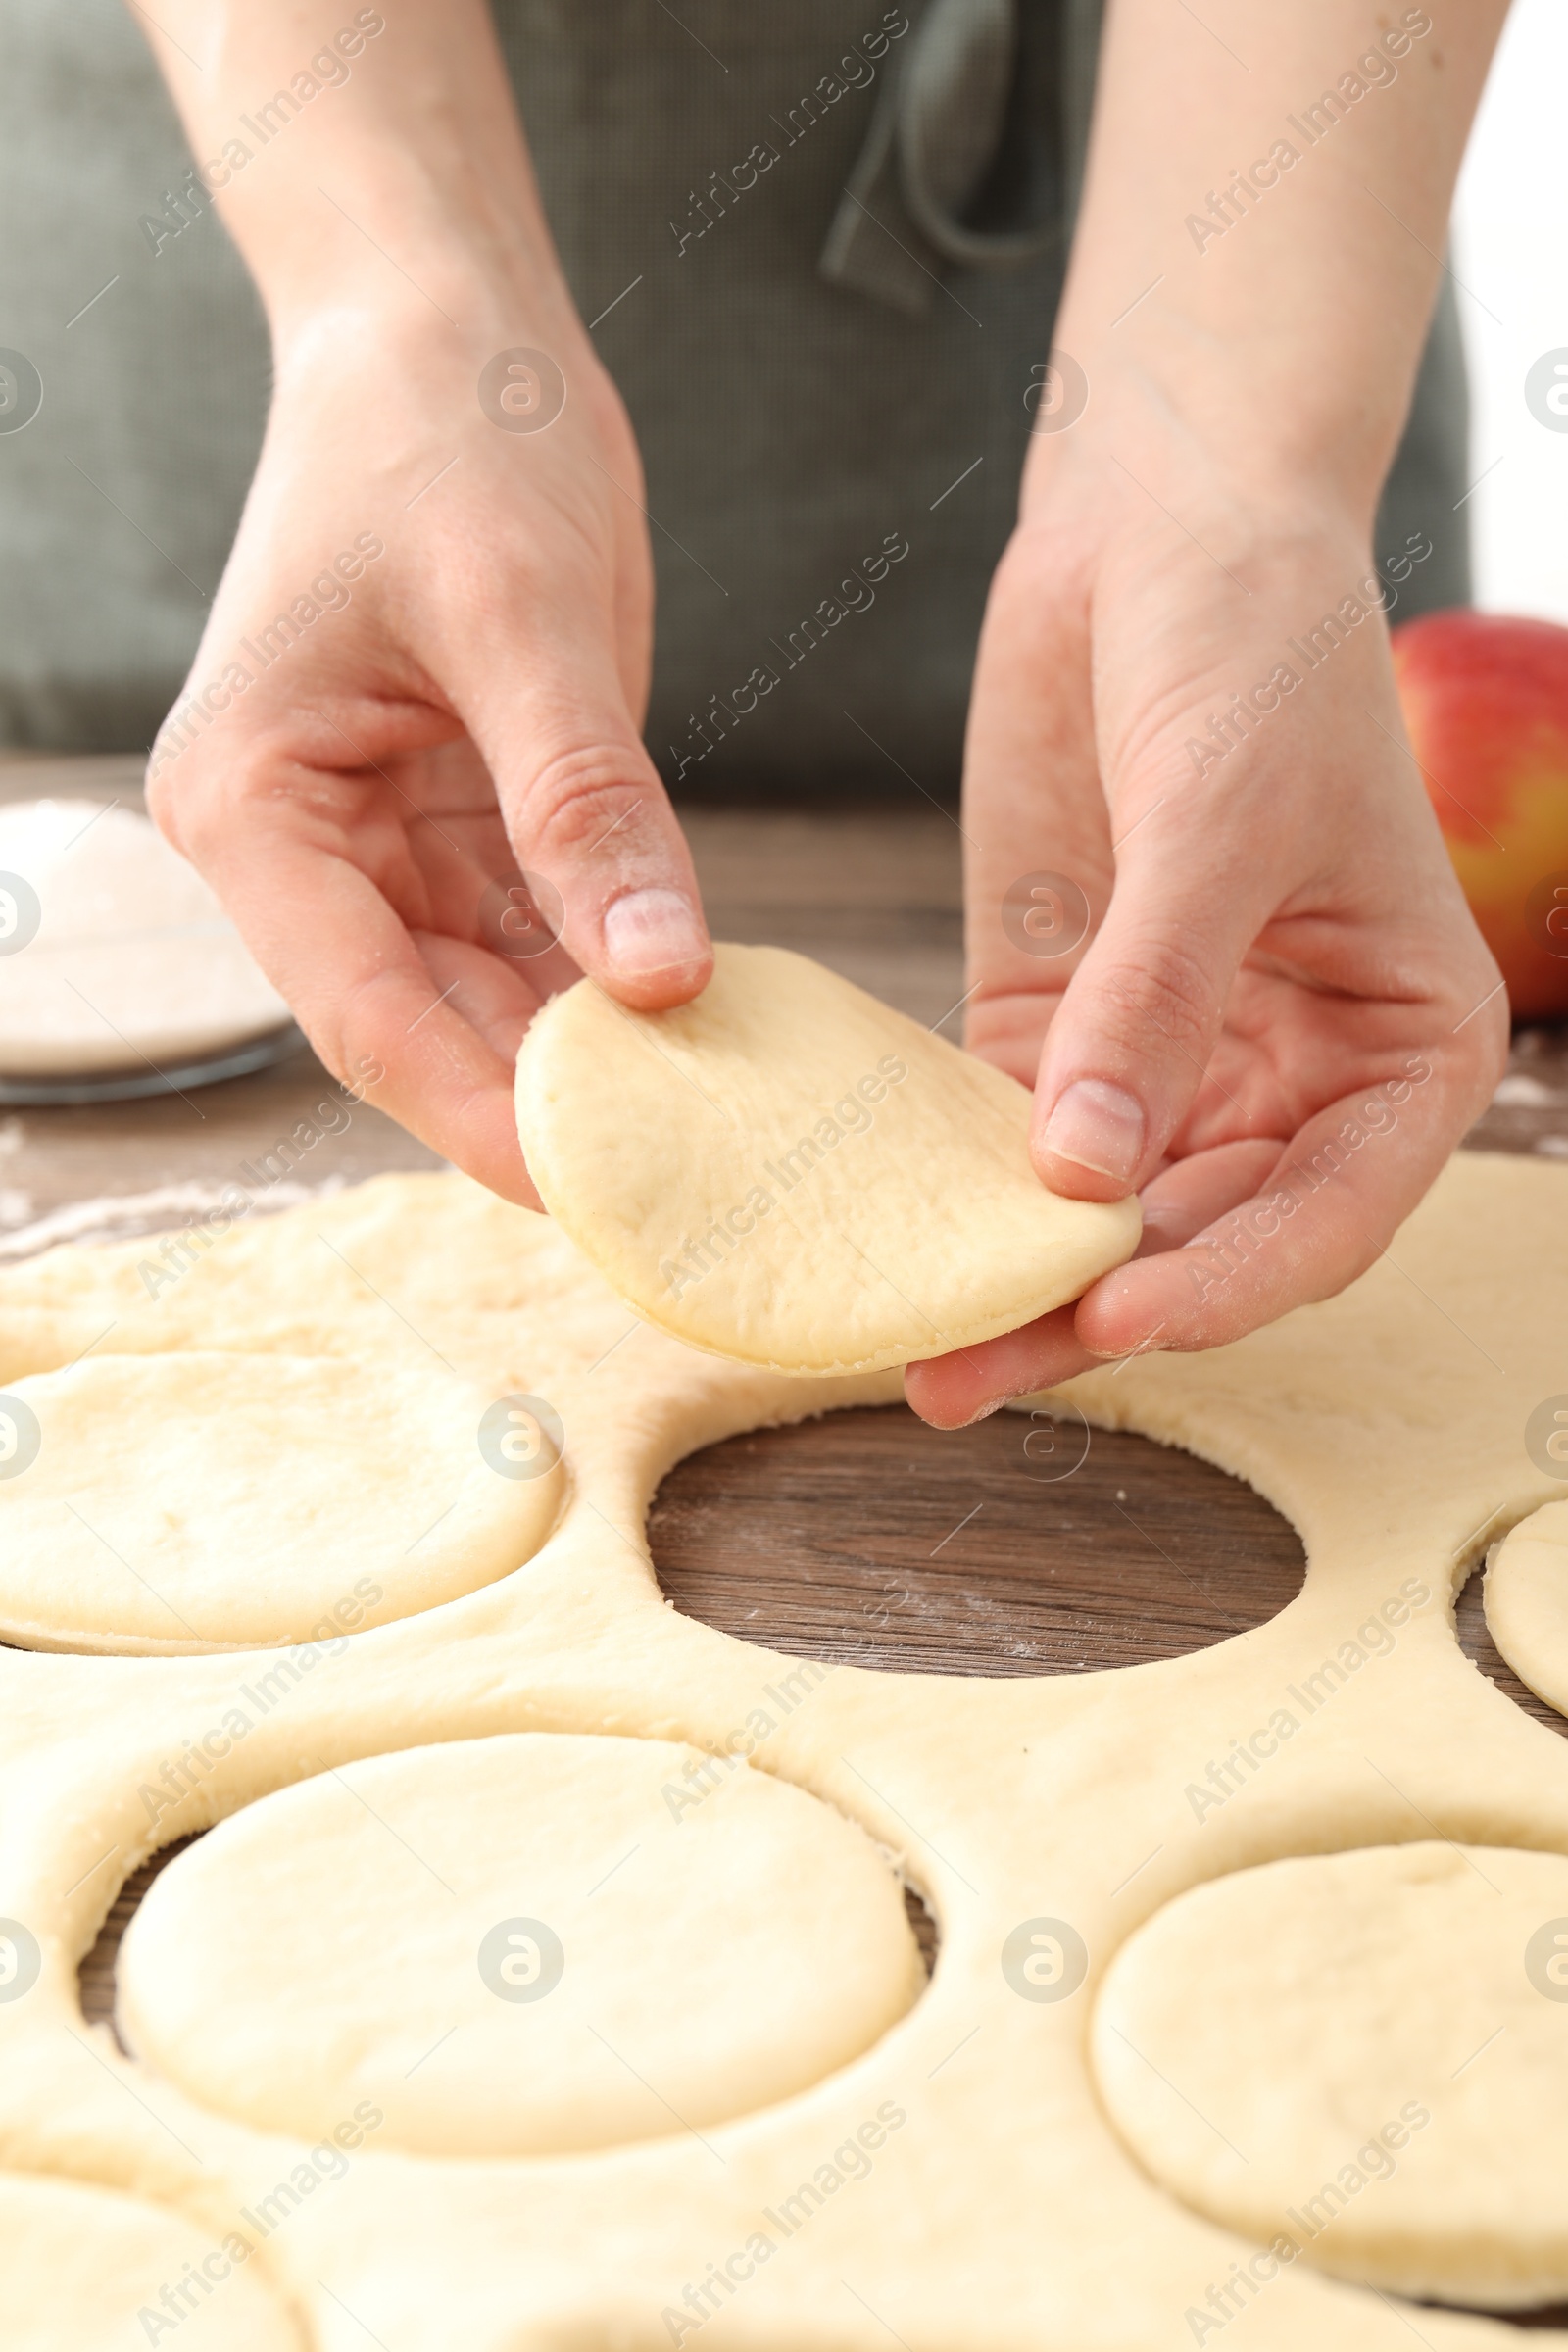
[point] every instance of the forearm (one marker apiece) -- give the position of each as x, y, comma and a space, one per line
1277, 235
362, 159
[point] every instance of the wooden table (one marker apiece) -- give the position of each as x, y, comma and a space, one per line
1013, 1548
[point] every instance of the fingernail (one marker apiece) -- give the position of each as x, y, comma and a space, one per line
1099, 1126
651, 931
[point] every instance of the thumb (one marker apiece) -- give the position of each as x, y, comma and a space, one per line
1130, 1042
585, 809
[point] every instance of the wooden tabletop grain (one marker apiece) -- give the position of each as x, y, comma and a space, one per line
1020, 1546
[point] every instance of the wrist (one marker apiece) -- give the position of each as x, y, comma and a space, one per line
406, 180
361, 246
1163, 411
396, 390
450, 316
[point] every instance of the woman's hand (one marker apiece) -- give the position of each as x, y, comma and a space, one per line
1281, 1017
1258, 998
426, 666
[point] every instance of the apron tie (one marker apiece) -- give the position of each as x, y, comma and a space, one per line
935, 136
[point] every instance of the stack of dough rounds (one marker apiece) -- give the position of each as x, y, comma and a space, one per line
132, 960
1362, 2054
87, 2269
515, 1945
205, 1500
789, 1173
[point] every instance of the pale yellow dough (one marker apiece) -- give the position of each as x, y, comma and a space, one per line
433, 1270
957, 2185
87, 2269
1526, 1602
721, 1940
205, 1502
789, 1173
1360, 2057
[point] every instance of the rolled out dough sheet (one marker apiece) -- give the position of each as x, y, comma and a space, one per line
957, 2180
789, 1173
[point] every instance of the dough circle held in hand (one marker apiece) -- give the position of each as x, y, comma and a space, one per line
203, 1500
1361, 2054
532, 1942
82, 2266
790, 1173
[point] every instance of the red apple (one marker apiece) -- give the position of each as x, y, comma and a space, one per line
1486, 702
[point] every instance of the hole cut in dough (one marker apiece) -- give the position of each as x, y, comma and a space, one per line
1024, 1544
1525, 1597
518, 1945
789, 1173
81, 2265
1360, 2054
204, 1501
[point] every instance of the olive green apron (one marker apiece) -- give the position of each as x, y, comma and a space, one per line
821, 246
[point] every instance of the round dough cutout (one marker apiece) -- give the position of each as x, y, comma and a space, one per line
518, 1945
789, 1173
81, 2265
1526, 1599
205, 1500
1362, 2053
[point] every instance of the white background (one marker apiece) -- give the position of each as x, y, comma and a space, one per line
1511, 259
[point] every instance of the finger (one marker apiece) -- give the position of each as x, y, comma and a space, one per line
489, 995
358, 986
1183, 1198
1037, 869
583, 802
1132, 1038
1331, 1206
951, 1391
